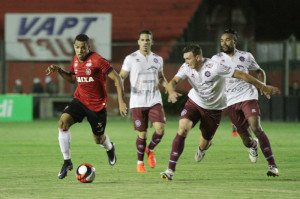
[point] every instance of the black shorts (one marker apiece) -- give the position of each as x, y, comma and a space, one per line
78, 111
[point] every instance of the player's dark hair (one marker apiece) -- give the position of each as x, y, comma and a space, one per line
233, 32
194, 48
148, 32
82, 37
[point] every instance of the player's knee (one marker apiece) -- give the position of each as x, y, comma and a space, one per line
160, 130
99, 139
183, 131
63, 125
256, 129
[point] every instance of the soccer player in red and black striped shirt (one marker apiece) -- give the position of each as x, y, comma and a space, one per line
89, 70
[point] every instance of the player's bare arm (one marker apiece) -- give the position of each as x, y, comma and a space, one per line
163, 81
171, 89
67, 76
266, 89
261, 76
123, 74
117, 79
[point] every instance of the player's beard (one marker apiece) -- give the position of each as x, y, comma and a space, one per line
229, 49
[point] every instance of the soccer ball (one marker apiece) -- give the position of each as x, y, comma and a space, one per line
85, 173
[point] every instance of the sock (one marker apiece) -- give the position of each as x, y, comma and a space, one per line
64, 138
265, 147
140, 146
156, 138
177, 149
254, 144
106, 144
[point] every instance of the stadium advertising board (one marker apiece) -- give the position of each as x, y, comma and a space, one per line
16, 108
49, 36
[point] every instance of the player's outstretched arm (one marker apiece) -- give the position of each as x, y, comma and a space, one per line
163, 81
265, 89
67, 76
117, 79
171, 89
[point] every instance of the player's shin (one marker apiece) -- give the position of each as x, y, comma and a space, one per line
64, 138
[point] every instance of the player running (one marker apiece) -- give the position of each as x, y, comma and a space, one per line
89, 70
242, 100
146, 72
206, 100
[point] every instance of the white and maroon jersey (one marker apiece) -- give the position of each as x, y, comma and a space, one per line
143, 78
91, 80
208, 84
237, 90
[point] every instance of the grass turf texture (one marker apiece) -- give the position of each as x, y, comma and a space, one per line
30, 160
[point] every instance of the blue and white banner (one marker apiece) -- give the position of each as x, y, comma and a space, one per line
50, 36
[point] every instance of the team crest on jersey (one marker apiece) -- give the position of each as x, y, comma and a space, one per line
183, 112
85, 79
155, 60
137, 123
193, 76
207, 74
242, 58
88, 71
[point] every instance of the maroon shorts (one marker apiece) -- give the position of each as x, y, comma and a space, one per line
209, 119
240, 112
141, 116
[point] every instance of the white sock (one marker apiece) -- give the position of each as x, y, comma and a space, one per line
140, 162
64, 138
106, 144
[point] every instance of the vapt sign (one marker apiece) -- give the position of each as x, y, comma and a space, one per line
16, 108
49, 37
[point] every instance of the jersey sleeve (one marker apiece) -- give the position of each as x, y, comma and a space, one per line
224, 70
253, 64
215, 58
161, 61
181, 72
126, 64
105, 66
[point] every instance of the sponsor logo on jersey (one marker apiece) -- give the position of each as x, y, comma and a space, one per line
88, 64
85, 79
207, 74
253, 110
209, 65
193, 76
137, 60
88, 71
133, 54
155, 60
152, 67
240, 66
242, 59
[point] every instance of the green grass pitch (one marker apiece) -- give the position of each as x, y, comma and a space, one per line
30, 160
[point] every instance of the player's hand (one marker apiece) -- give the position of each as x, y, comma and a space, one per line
173, 96
52, 69
269, 90
123, 109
